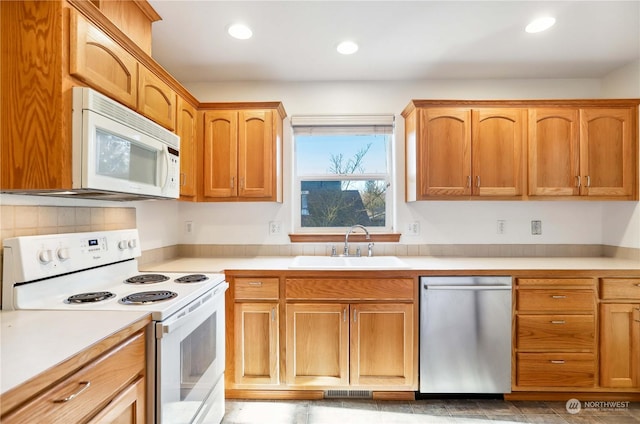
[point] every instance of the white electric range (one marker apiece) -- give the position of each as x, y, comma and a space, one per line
99, 271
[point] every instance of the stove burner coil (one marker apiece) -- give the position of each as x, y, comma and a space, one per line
192, 278
146, 279
143, 298
90, 297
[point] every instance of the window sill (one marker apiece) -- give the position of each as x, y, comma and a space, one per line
353, 237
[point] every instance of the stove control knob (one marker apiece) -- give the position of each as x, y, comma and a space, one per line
45, 256
63, 254
122, 244
132, 243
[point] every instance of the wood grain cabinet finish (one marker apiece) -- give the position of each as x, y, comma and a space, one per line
620, 333
156, 100
100, 62
345, 341
243, 154
582, 152
186, 129
254, 360
109, 389
555, 334
570, 149
465, 152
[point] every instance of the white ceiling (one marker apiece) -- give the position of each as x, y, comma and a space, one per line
399, 40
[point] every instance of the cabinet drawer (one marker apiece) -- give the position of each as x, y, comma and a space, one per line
94, 386
257, 288
350, 289
620, 288
556, 300
558, 332
555, 369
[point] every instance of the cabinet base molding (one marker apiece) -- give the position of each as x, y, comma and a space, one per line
309, 395
582, 396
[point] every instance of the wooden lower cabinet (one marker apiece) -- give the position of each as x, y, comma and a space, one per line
620, 333
339, 344
256, 349
110, 388
555, 334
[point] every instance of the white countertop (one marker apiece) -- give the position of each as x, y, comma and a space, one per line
31, 342
436, 263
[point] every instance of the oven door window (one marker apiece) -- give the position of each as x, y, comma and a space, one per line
119, 157
197, 355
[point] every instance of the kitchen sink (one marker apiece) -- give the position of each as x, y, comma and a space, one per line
347, 262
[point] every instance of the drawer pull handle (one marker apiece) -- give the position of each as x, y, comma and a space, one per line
85, 386
273, 314
558, 296
637, 320
637, 284
557, 361
255, 283
558, 322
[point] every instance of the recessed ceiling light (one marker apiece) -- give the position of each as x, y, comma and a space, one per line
347, 47
240, 31
540, 24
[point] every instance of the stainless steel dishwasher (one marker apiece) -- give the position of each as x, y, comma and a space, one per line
465, 335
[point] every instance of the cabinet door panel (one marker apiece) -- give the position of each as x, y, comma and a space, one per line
554, 152
619, 345
497, 151
382, 344
256, 350
256, 154
186, 129
127, 408
220, 153
101, 62
444, 152
317, 344
607, 152
156, 100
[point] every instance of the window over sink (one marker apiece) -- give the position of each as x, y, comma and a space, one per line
342, 172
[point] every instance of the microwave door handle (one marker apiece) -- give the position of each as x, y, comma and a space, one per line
164, 172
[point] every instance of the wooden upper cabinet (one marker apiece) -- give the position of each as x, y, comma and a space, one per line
461, 152
572, 149
100, 62
497, 145
444, 152
186, 128
243, 154
156, 100
220, 153
554, 145
255, 153
607, 152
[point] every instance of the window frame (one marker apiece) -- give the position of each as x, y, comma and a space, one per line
352, 125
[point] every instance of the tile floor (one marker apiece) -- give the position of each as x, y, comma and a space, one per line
469, 411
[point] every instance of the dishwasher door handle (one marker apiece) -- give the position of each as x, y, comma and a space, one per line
497, 287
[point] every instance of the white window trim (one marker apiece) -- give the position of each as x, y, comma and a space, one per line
358, 124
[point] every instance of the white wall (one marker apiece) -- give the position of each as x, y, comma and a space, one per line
440, 222
621, 223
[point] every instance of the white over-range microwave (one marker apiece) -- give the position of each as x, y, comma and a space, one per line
119, 154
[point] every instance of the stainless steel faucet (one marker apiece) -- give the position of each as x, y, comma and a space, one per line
367, 237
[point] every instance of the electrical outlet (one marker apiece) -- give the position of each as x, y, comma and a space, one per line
188, 227
536, 227
501, 226
275, 227
413, 228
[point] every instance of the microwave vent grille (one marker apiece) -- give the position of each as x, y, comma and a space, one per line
109, 108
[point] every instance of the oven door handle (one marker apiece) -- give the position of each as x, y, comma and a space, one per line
196, 307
